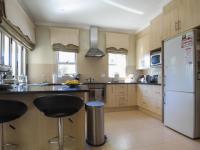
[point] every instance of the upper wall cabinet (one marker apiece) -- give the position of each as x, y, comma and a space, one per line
156, 33
64, 39
143, 50
179, 16
171, 19
118, 41
189, 11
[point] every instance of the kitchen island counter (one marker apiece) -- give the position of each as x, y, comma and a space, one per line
42, 88
33, 130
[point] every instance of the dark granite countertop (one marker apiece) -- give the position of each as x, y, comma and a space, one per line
151, 83
42, 88
121, 83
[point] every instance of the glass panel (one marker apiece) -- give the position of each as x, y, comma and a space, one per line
24, 61
66, 57
64, 69
14, 58
6, 50
19, 60
117, 64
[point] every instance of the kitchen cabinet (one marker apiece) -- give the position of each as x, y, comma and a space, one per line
149, 97
179, 16
110, 96
171, 19
117, 40
143, 50
189, 11
120, 95
156, 32
132, 95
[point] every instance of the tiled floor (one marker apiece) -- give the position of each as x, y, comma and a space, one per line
134, 130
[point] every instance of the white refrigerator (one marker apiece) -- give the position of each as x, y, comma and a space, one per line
182, 83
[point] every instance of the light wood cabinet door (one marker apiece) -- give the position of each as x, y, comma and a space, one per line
150, 98
139, 54
156, 100
121, 94
110, 96
159, 102
189, 14
143, 52
132, 95
171, 19
156, 32
116, 95
141, 95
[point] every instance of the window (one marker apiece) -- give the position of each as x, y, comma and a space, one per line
66, 63
19, 59
13, 64
6, 50
24, 61
12, 53
117, 64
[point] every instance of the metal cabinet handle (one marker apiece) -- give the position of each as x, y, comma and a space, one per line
179, 25
176, 26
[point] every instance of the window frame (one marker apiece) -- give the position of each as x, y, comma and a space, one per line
11, 40
116, 64
16, 59
66, 63
3, 49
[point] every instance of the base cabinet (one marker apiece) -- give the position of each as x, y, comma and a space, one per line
149, 97
121, 95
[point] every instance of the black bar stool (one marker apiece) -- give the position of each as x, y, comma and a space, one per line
59, 106
9, 111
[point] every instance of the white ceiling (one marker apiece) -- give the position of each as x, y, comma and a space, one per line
119, 15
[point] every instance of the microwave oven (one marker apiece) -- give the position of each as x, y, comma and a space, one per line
156, 59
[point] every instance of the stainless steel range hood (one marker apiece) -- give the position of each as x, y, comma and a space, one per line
94, 51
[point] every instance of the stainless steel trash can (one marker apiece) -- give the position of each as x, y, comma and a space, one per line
95, 123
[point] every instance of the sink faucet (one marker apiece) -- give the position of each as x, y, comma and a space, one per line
90, 80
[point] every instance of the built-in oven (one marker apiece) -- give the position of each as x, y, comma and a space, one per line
156, 59
96, 91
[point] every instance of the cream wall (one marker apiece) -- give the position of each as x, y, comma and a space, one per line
42, 61
16, 14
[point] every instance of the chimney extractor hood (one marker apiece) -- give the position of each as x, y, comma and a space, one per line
94, 51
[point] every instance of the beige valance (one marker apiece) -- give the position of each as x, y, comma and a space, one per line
13, 30
16, 33
117, 51
65, 39
65, 48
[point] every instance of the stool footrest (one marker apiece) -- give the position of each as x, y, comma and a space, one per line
54, 140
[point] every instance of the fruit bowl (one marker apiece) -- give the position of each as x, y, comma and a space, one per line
72, 83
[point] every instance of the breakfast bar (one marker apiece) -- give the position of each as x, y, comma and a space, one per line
33, 130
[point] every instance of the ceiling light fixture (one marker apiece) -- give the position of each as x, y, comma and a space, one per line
110, 2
